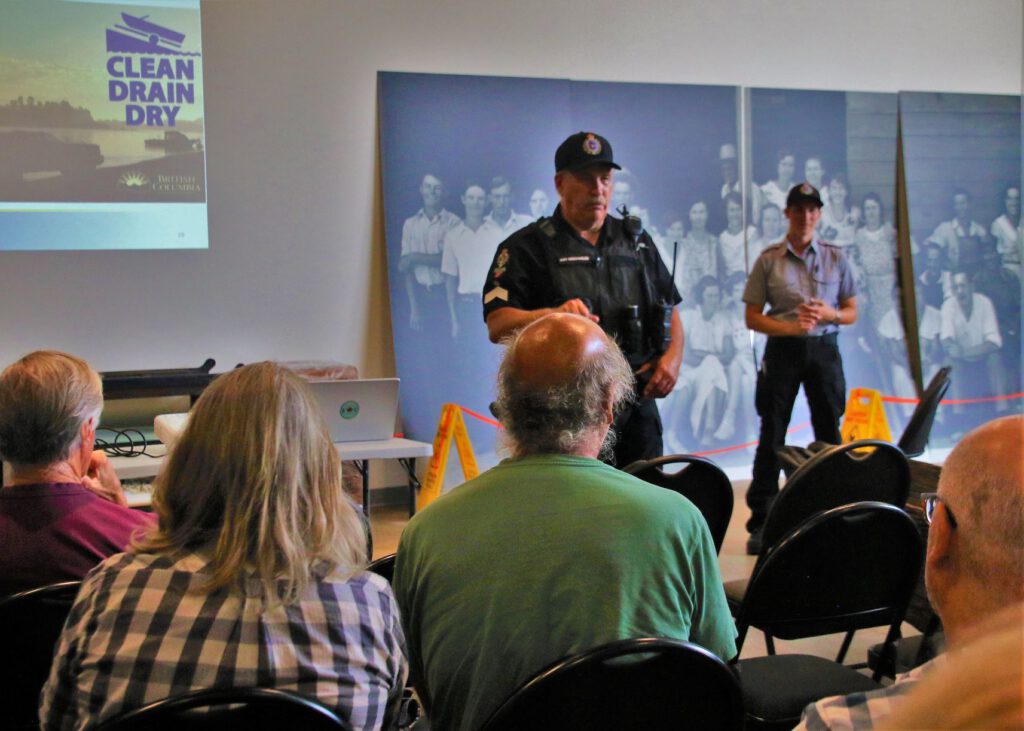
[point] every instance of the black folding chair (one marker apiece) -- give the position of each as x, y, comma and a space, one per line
700, 480
384, 566
845, 569
913, 440
254, 709
915, 436
868, 469
839, 475
31, 622
646, 683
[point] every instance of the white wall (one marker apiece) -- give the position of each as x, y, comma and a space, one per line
295, 267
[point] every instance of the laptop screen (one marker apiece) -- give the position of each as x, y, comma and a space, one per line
358, 410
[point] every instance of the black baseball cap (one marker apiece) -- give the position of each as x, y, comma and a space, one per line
584, 149
803, 193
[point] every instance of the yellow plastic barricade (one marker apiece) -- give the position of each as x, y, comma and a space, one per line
865, 417
451, 426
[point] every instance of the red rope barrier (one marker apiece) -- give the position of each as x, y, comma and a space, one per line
722, 450
949, 401
982, 400
799, 427
481, 417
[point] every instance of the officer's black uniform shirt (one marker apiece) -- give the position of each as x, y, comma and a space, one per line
548, 262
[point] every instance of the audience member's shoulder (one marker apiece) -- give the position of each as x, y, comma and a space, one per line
458, 498
101, 505
131, 561
118, 569
661, 502
363, 587
132, 515
984, 677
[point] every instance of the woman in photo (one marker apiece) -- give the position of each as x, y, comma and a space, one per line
838, 225
875, 258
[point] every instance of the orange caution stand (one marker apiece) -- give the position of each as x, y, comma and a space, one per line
864, 419
450, 427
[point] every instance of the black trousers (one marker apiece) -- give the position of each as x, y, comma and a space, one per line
638, 433
789, 363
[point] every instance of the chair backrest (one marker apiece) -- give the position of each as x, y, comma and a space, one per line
647, 683
847, 568
253, 709
700, 480
383, 566
837, 476
31, 622
915, 436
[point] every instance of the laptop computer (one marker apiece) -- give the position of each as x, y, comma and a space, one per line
358, 410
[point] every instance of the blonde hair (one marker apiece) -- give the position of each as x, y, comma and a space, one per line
45, 397
255, 480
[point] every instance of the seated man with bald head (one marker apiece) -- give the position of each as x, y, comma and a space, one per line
551, 552
974, 573
62, 510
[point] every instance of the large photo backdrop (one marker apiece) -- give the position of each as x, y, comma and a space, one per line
462, 148
962, 160
468, 160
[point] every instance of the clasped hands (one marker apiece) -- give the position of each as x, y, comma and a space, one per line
811, 313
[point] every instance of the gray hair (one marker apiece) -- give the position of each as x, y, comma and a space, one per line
559, 419
44, 399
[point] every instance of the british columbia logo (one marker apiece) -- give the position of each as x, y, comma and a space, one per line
149, 71
132, 179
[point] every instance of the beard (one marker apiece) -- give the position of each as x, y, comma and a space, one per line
607, 451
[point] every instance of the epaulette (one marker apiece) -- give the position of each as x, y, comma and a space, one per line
547, 227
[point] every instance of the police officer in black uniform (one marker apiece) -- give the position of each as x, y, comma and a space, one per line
583, 261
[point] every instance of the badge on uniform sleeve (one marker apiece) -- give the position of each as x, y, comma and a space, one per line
498, 293
501, 264
591, 145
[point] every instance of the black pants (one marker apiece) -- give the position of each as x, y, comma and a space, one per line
789, 362
638, 433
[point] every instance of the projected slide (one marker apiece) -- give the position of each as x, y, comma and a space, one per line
101, 125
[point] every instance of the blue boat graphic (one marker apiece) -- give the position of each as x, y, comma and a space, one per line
139, 35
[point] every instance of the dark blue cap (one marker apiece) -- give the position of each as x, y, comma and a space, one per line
584, 149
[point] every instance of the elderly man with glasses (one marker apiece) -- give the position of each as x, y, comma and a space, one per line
974, 567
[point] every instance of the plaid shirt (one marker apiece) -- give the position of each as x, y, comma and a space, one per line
140, 631
862, 711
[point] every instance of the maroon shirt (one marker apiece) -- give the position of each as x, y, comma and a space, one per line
58, 532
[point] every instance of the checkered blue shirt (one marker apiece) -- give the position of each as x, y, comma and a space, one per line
863, 711
140, 631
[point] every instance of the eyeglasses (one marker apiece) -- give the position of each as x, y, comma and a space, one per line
929, 499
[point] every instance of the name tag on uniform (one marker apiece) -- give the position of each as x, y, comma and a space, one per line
575, 259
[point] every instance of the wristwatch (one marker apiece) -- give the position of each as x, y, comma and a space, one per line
835, 320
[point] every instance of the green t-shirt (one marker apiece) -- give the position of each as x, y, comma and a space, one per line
540, 558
